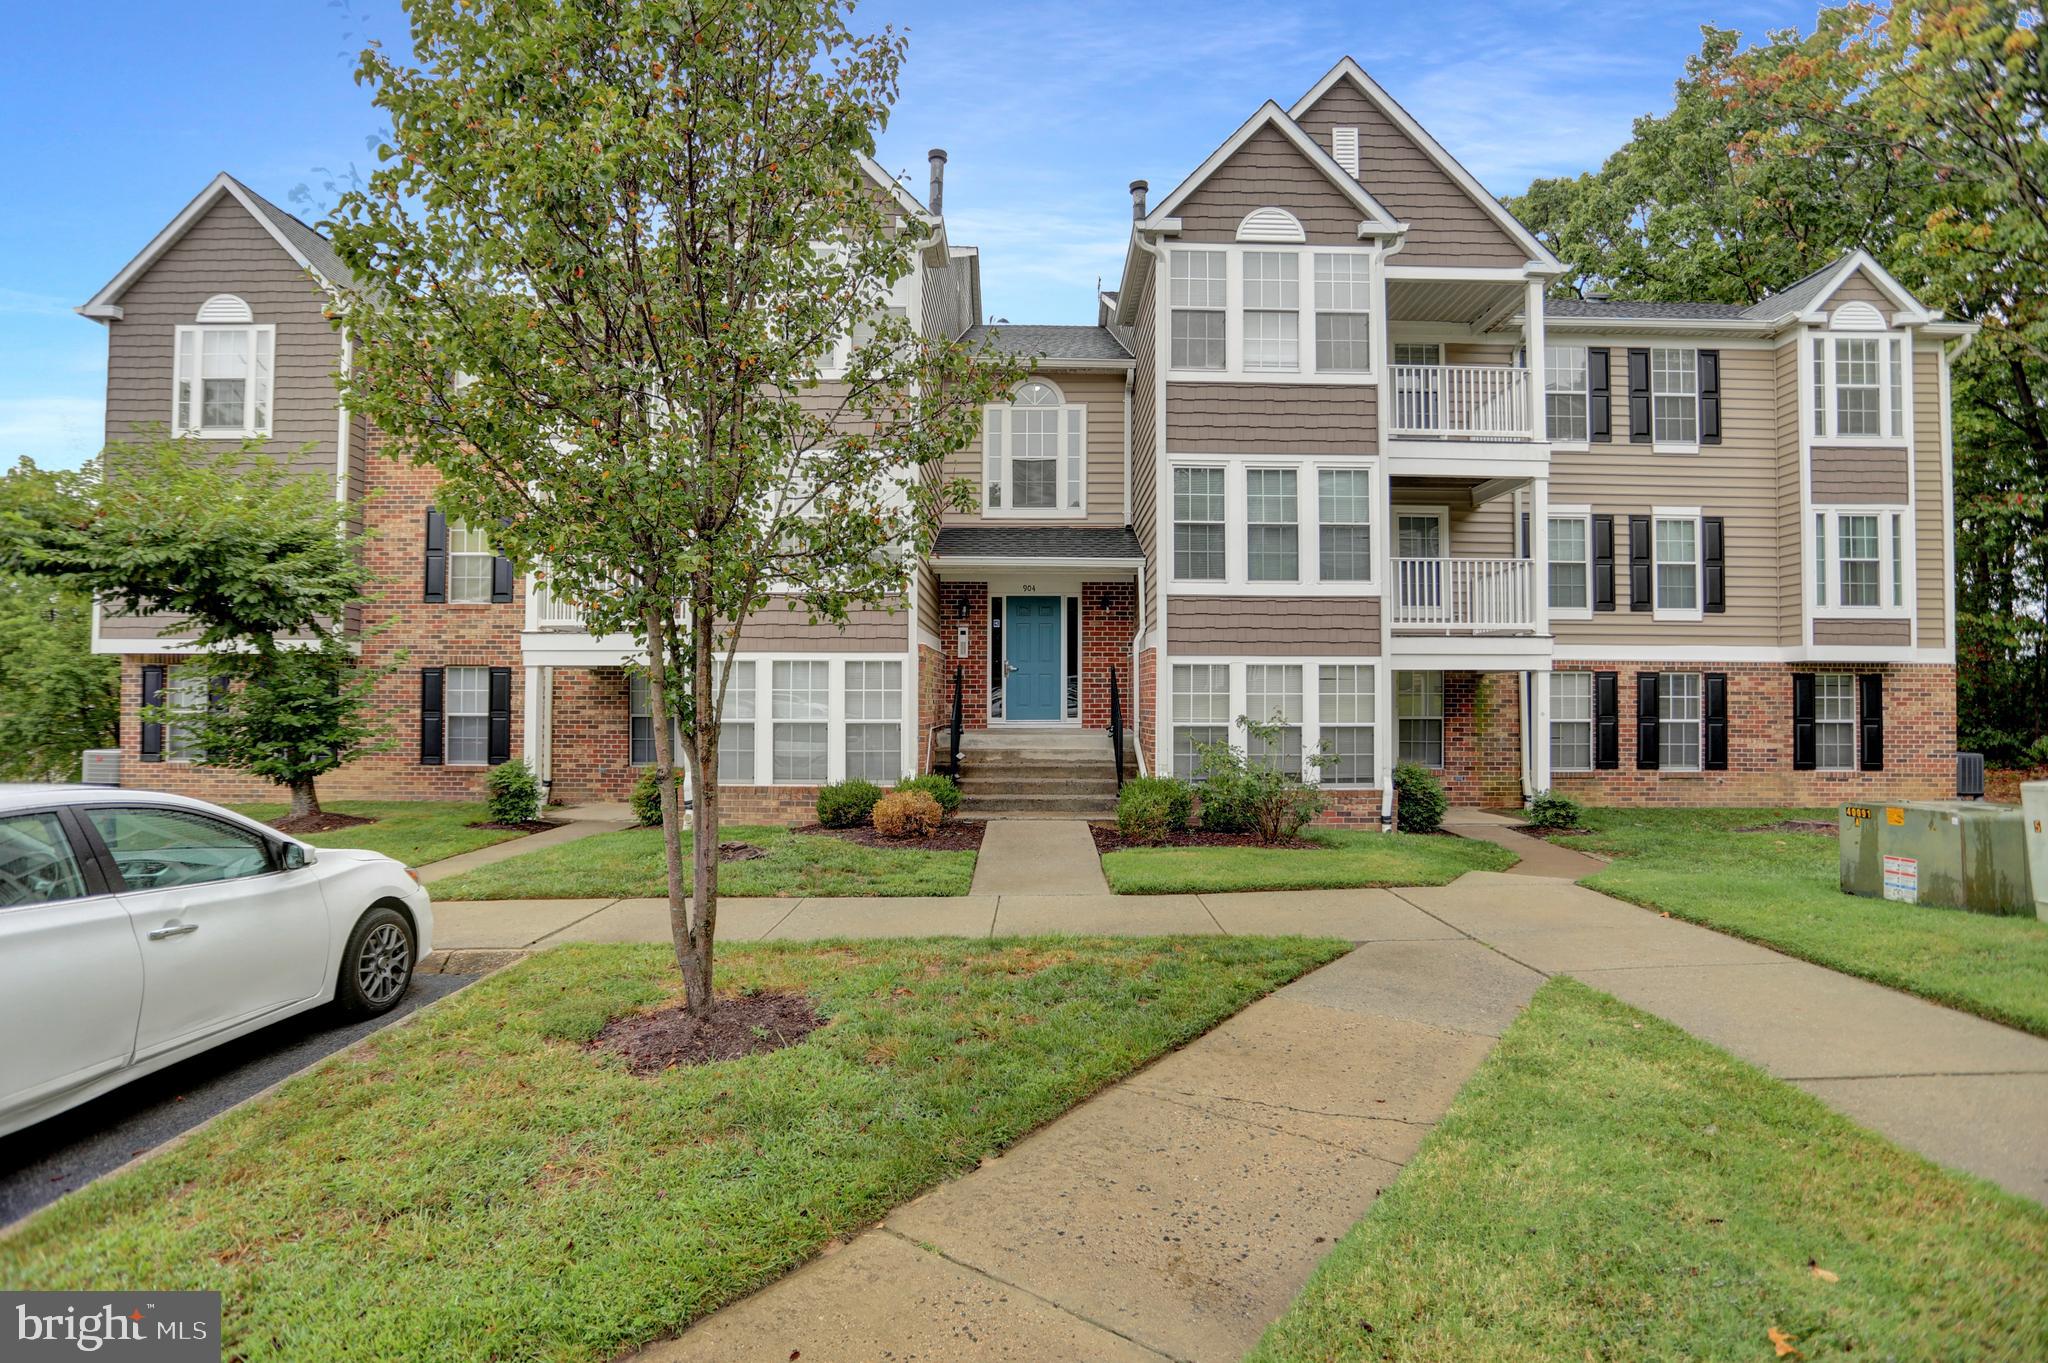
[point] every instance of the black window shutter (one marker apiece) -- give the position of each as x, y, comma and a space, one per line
152, 694
1870, 710
1603, 563
501, 580
1639, 563
1714, 728
437, 557
1805, 748
1606, 720
1646, 721
501, 716
431, 727
1714, 593
1709, 368
1526, 552
1599, 396
1639, 396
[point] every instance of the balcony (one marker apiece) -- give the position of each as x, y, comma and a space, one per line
545, 612
1461, 402
1464, 595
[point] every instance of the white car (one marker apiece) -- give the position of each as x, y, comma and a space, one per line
137, 929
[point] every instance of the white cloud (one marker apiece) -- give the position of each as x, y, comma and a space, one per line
20, 303
54, 431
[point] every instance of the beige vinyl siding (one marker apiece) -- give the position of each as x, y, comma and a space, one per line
1930, 523
1473, 352
776, 628
1269, 171
927, 596
1844, 474
1273, 626
1446, 226
1736, 480
1271, 418
1863, 633
1485, 530
1145, 442
1102, 393
1857, 288
1791, 515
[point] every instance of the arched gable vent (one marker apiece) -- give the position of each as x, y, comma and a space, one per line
1270, 224
225, 307
1857, 316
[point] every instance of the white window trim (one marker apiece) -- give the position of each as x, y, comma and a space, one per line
1442, 722
1658, 610
1672, 446
1832, 607
259, 334
1311, 710
1855, 722
1064, 487
1585, 391
1233, 370
1308, 508
1592, 720
1896, 435
1698, 722
1583, 514
453, 526
449, 714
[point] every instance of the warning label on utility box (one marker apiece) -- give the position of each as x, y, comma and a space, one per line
1902, 879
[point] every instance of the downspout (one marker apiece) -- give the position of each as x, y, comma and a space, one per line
1137, 691
341, 431
1158, 395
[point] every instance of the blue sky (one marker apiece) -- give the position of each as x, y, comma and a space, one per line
121, 110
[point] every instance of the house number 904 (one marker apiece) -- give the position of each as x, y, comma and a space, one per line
1030, 587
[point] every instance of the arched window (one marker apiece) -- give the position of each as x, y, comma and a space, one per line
1035, 454
221, 385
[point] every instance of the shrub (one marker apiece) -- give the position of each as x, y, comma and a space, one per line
847, 804
907, 814
1419, 799
513, 792
1240, 795
939, 786
1150, 808
646, 798
1551, 810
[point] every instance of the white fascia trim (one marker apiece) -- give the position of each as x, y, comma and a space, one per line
1566, 653
1046, 364
943, 565
926, 638
1473, 274
102, 306
1617, 326
1347, 69
1910, 312
1271, 114
903, 197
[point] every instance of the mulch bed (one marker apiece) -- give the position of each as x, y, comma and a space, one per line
750, 1024
318, 823
2002, 784
740, 851
1795, 826
1107, 839
1548, 833
530, 826
951, 837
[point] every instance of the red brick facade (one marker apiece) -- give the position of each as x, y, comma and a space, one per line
1482, 739
1148, 723
593, 740
1109, 617
973, 596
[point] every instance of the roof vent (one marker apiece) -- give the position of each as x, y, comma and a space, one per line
938, 195
224, 307
1138, 190
1344, 146
1597, 295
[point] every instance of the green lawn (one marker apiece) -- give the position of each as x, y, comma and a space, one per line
1352, 858
1783, 890
629, 864
1608, 1188
414, 831
476, 1185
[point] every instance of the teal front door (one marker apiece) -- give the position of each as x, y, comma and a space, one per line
1031, 638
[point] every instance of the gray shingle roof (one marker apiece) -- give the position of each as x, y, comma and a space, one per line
1797, 296
313, 246
1035, 541
1049, 343
1622, 309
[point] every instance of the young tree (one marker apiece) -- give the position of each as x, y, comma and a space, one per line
57, 697
257, 559
616, 247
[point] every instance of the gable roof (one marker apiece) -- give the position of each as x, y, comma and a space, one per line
1347, 69
313, 252
1803, 296
1051, 343
1378, 222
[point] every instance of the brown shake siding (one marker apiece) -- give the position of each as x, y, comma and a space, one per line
1145, 441
1102, 393
776, 628
1863, 633
1790, 518
1271, 418
1269, 171
1736, 480
1930, 512
1843, 474
1445, 226
1273, 626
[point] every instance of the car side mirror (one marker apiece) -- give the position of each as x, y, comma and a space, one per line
297, 855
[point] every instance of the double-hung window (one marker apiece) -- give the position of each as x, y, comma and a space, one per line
1675, 541
874, 721
1344, 523
470, 564
1343, 298
735, 736
1674, 396
1858, 387
221, 390
1565, 404
468, 703
1570, 563
1036, 451
1201, 712
1856, 540
1198, 532
1571, 721
1419, 717
1678, 721
1272, 696
1858, 560
185, 693
1272, 525
1345, 714
1198, 295
1834, 721
802, 707
1272, 310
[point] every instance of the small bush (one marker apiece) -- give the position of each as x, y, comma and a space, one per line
907, 814
1551, 810
1243, 795
1419, 799
1226, 803
646, 798
847, 804
1151, 808
939, 786
513, 792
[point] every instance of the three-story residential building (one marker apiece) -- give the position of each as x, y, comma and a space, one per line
1329, 457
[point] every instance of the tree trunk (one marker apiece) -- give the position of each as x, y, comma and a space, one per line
305, 800
696, 986
704, 807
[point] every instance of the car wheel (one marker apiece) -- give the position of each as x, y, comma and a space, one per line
377, 964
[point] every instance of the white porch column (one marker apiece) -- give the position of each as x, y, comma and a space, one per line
1539, 737
535, 745
1532, 342
1539, 551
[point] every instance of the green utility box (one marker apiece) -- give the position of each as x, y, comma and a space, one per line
1950, 854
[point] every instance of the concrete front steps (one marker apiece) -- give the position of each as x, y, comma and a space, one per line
1049, 773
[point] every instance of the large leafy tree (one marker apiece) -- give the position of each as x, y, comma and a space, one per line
1912, 130
616, 245
260, 563
57, 697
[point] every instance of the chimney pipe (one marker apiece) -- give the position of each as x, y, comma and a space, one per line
1138, 188
938, 194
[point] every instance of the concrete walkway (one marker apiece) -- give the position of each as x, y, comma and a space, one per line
1038, 856
578, 821
1538, 857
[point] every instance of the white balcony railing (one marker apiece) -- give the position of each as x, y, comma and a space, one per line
1462, 402
545, 611
1497, 594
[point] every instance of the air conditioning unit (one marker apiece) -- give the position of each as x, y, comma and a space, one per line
102, 767
1969, 776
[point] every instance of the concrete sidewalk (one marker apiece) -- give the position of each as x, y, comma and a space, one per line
1038, 856
1538, 857
578, 821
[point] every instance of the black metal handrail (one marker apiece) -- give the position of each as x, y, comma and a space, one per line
953, 749
1116, 726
